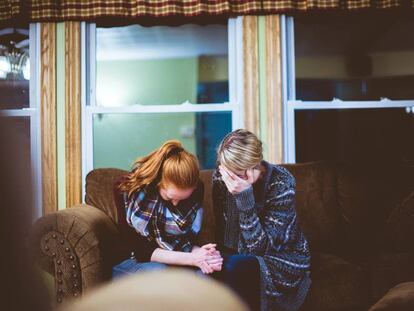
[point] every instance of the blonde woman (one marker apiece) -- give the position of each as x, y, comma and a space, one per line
267, 259
160, 214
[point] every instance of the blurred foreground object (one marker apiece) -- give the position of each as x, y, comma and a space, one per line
172, 289
22, 289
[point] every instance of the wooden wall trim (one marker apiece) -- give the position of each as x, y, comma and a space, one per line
274, 102
251, 75
48, 116
73, 113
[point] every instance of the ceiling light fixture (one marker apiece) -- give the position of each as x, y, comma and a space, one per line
14, 54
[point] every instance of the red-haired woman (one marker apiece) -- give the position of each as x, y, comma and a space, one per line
160, 213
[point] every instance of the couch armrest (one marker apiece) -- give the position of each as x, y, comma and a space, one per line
76, 246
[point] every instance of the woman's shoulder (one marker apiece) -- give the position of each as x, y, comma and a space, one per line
148, 192
216, 176
279, 176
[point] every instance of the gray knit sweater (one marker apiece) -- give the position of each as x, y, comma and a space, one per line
262, 221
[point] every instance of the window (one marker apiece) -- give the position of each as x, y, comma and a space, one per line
349, 77
353, 135
18, 104
150, 84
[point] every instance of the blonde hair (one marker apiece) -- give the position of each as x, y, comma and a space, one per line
169, 164
240, 150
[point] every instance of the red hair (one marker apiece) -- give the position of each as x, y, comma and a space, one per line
169, 164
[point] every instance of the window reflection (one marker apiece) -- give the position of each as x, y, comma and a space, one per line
14, 68
162, 65
354, 57
382, 135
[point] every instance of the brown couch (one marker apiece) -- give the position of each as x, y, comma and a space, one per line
356, 218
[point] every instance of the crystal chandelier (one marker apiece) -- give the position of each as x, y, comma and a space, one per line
14, 54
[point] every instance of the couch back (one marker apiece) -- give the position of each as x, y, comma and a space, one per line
340, 208
345, 209
317, 204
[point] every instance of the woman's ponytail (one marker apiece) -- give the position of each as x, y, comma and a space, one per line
168, 164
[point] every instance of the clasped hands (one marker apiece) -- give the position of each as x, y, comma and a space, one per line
207, 258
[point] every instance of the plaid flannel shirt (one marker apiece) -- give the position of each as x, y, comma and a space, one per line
172, 227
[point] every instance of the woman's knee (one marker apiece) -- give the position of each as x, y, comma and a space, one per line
241, 264
131, 266
153, 266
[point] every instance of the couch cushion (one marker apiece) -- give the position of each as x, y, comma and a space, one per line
366, 195
100, 190
336, 285
398, 298
316, 204
389, 269
400, 225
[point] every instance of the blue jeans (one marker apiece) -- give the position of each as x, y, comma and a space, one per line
242, 274
131, 266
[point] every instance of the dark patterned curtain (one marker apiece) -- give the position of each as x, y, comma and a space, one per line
9, 9
61, 10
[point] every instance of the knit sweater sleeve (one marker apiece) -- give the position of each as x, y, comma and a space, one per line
274, 227
219, 203
253, 235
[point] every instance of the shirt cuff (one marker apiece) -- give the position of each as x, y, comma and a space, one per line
245, 200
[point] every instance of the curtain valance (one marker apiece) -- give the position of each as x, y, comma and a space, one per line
87, 10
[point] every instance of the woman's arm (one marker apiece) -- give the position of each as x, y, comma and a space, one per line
275, 227
254, 238
201, 257
276, 222
172, 257
219, 202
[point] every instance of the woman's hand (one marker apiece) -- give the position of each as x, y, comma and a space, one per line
211, 248
207, 258
234, 183
214, 264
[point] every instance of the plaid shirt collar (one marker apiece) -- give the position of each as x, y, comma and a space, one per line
172, 227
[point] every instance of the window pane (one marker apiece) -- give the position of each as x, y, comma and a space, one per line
354, 57
354, 135
120, 138
161, 65
14, 68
